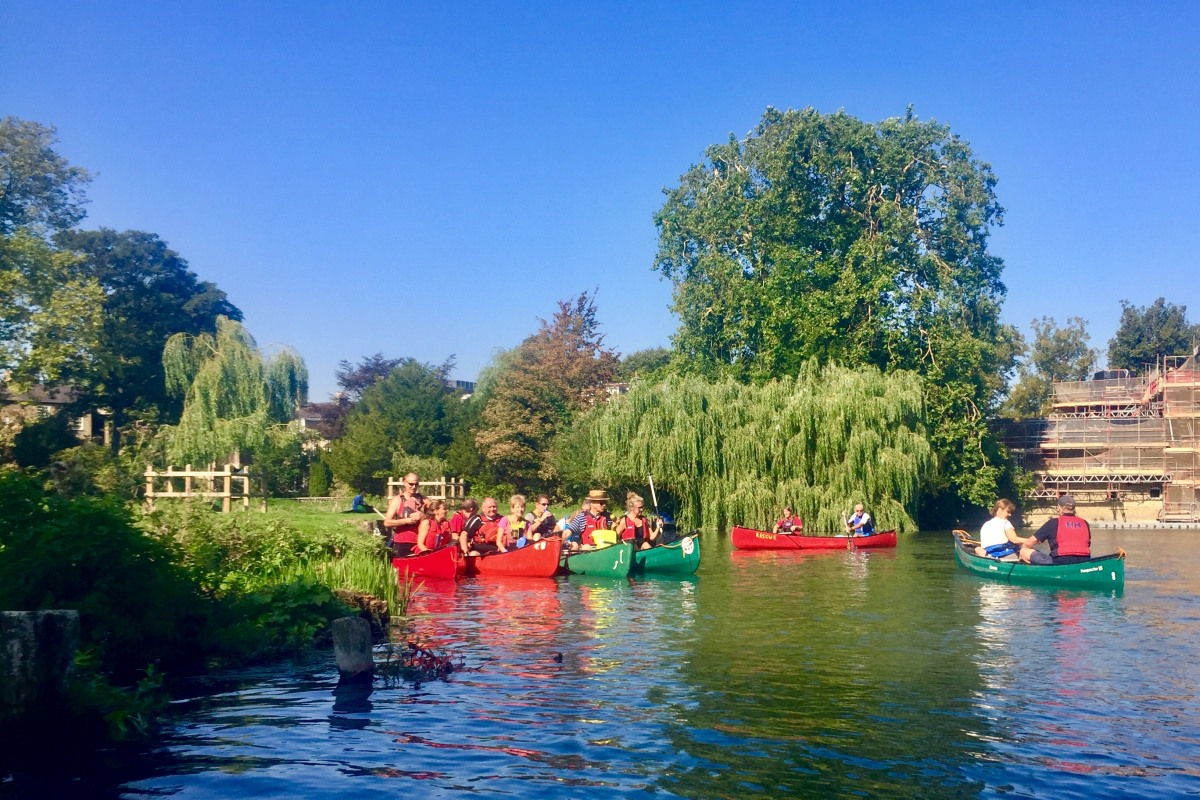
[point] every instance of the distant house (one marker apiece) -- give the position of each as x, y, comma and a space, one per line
39, 402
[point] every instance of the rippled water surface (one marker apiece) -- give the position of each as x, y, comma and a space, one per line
840, 674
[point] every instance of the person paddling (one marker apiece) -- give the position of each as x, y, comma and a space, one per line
860, 522
635, 526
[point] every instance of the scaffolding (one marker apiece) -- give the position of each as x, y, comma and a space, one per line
1124, 437
1180, 388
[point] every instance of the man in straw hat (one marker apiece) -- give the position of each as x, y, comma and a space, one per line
1070, 538
594, 517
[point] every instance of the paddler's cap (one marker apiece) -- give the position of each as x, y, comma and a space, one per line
597, 495
1066, 501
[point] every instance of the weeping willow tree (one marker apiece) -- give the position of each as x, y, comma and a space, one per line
233, 395
737, 453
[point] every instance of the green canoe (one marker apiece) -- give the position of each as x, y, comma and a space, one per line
1101, 572
613, 561
678, 558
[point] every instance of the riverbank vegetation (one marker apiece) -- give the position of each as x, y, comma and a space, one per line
177, 590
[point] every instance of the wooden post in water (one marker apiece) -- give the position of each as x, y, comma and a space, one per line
352, 650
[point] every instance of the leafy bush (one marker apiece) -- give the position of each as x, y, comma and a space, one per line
38, 441
136, 604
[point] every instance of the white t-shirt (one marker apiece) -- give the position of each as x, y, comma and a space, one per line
993, 532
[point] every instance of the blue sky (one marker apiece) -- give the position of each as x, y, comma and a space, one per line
427, 179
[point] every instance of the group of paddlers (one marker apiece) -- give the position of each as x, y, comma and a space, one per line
859, 523
415, 524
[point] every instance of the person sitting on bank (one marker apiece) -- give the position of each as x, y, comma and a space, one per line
860, 522
404, 515
1070, 538
790, 523
434, 530
539, 523
998, 538
635, 526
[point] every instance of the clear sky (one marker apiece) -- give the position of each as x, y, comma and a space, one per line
427, 179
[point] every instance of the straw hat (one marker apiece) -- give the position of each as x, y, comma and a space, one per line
597, 494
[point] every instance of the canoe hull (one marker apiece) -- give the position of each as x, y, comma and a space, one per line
535, 560
1102, 572
678, 558
613, 561
445, 563
750, 539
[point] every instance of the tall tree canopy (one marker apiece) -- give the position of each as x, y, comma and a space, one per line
1148, 333
39, 189
49, 313
1055, 354
149, 294
233, 394
410, 411
823, 236
736, 453
538, 390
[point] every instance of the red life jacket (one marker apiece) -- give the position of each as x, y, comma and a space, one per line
407, 533
792, 524
489, 531
632, 528
438, 534
1073, 537
590, 524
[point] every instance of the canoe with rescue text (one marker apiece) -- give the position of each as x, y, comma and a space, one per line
751, 539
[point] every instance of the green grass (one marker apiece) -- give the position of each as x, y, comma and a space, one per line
320, 517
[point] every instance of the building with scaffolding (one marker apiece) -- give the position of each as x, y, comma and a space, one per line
1125, 446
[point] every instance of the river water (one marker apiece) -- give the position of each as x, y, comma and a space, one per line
767, 675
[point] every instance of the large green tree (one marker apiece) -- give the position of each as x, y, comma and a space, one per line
49, 313
823, 236
149, 295
1055, 354
1148, 333
736, 453
233, 394
410, 411
540, 388
39, 189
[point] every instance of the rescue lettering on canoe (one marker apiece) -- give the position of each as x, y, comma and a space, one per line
761, 535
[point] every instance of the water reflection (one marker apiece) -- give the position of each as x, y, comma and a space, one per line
867, 673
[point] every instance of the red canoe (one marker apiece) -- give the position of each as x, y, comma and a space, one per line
445, 562
750, 539
535, 560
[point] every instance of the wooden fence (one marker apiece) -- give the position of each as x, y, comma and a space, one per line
228, 483
444, 489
